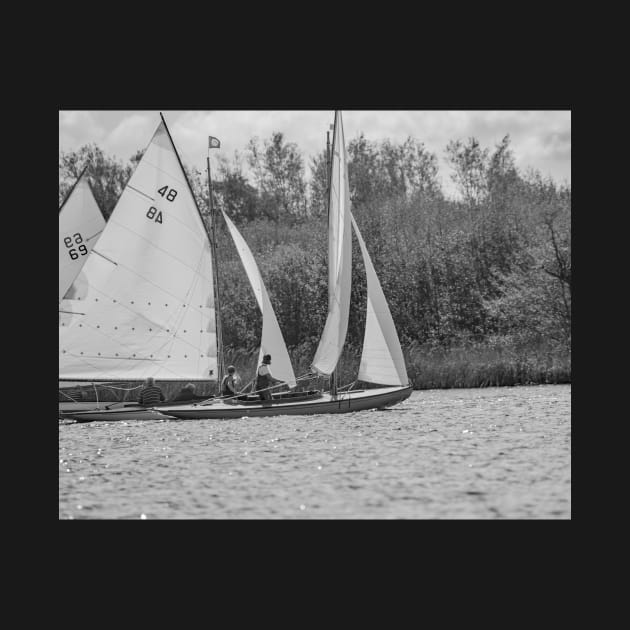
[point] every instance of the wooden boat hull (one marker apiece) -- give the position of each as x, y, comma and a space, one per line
344, 402
92, 412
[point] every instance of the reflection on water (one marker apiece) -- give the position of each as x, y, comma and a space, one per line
465, 453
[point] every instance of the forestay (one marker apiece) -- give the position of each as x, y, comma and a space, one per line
272, 341
80, 224
149, 306
339, 258
382, 359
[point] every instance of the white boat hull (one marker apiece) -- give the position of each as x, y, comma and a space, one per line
344, 402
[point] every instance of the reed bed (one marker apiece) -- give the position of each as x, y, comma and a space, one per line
484, 364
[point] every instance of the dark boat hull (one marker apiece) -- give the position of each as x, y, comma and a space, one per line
345, 402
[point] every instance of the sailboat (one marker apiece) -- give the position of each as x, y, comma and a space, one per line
170, 270
80, 223
382, 360
149, 308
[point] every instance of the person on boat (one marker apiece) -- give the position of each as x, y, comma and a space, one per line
264, 379
150, 395
187, 393
228, 384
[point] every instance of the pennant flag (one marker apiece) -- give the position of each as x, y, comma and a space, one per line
213, 143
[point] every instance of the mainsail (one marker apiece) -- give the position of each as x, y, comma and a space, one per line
339, 258
382, 359
149, 306
80, 224
272, 341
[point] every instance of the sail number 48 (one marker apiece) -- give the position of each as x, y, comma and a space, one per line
169, 194
78, 240
153, 213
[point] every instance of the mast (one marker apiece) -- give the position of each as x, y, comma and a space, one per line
328, 168
215, 271
333, 376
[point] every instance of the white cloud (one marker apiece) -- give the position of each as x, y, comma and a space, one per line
132, 133
77, 128
539, 139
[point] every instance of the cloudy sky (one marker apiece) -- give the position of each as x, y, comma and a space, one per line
539, 139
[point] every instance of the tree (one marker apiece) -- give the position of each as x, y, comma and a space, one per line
318, 185
470, 164
234, 193
411, 169
367, 180
279, 173
108, 176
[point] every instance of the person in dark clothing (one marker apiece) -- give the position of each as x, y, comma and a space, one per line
264, 379
187, 393
150, 395
228, 384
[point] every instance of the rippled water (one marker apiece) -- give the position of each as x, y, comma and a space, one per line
465, 453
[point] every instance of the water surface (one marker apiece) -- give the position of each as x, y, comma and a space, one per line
501, 452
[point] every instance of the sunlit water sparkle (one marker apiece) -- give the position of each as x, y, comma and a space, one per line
460, 453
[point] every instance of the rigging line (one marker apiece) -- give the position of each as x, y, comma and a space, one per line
351, 385
257, 391
93, 235
103, 256
68, 396
140, 192
107, 385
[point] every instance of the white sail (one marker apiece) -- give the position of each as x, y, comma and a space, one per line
272, 341
382, 359
149, 306
339, 258
80, 224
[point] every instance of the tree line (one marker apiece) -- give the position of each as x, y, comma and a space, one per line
479, 285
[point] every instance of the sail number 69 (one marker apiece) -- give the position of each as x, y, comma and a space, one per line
78, 240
